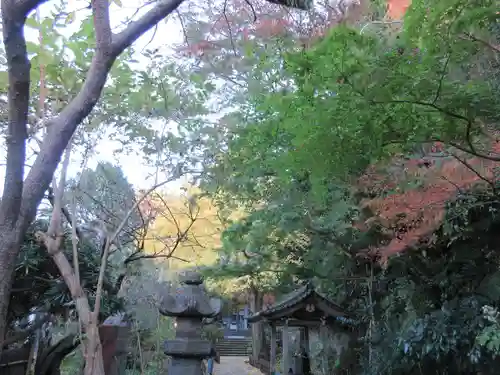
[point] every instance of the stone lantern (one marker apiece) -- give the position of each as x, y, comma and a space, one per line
189, 305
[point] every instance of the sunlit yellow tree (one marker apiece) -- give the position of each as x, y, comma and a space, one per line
186, 229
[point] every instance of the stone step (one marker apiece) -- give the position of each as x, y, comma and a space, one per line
234, 347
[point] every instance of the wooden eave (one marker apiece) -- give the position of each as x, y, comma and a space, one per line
296, 302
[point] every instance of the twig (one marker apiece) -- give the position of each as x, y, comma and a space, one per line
224, 13
141, 360
252, 9
476, 39
379, 23
471, 168
74, 242
440, 85
183, 27
109, 242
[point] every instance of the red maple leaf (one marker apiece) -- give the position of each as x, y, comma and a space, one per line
396, 9
410, 216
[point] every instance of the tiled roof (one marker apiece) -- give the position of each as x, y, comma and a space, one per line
296, 297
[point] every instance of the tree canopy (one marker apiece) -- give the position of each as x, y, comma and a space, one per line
354, 144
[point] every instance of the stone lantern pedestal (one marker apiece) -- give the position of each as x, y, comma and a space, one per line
189, 305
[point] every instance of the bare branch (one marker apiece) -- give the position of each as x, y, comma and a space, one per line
55, 225
109, 242
137, 203
74, 241
231, 38
464, 162
170, 248
482, 41
65, 212
52, 240
154, 256
183, 27
252, 9
167, 207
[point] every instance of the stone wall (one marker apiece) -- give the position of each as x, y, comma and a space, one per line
330, 356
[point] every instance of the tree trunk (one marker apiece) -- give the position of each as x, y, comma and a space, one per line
257, 328
22, 194
94, 364
9, 245
92, 343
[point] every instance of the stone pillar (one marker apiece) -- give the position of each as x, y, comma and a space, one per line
190, 305
115, 339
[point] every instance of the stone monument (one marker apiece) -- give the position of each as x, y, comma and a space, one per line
189, 304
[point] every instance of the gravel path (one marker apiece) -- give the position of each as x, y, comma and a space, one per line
235, 366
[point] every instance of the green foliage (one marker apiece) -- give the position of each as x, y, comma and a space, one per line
213, 333
159, 90
73, 363
310, 124
38, 283
103, 198
294, 154
355, 92
61, 63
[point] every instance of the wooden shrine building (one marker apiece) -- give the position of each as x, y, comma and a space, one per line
301, 311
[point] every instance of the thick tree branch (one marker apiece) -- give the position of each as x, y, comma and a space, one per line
52, 240
26, 6
103, 34
135, 29
65, 212
18, 102
62, 127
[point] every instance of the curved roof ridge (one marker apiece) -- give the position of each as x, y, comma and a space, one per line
296, 297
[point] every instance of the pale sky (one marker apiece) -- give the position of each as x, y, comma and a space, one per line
168, 33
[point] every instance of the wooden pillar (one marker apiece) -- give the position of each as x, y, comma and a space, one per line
257, 327
306, 339
306, 362
272, 357
323, 336
298, 360
285, 362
